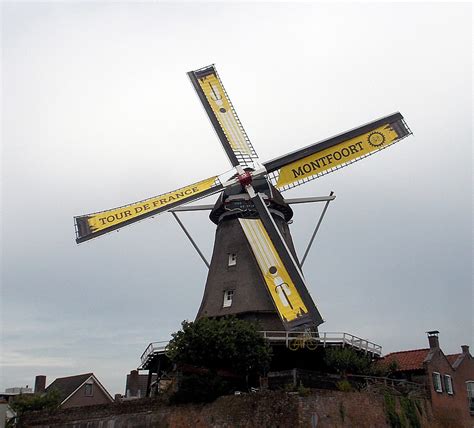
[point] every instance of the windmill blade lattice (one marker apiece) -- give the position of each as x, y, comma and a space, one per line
90, 226
332, 154
223, 116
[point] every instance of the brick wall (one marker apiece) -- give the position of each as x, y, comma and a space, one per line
451, 409
464, 373
439, 364
269, 409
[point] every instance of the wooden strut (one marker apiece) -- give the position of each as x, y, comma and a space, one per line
326, 199
190, 239
316, 228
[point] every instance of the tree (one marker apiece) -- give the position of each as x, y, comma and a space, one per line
224, 343
214, 345
346, 360
31, 402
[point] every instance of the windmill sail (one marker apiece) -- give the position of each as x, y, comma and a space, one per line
321, 158
286, 270
223, 117
286, 298
92, 225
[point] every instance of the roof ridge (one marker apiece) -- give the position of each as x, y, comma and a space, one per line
82, 374
409, 350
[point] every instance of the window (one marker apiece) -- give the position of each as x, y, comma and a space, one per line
448, 384
88, 390
437, 382
228, 295
232, 259
470, 395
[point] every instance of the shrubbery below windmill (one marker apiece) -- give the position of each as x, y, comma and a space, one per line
32, 402
217, 356
345, 361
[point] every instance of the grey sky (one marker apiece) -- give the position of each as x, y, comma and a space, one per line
97, 111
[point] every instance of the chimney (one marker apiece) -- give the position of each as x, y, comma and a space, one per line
433, 339
465, 349
40, 384
133, 384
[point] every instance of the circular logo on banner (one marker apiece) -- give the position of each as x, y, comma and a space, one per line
376, 139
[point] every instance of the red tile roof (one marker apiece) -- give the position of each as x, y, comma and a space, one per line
452, 358
407, 360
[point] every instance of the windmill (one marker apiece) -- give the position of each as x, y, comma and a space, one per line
254, 271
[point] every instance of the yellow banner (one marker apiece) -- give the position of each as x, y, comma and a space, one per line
105, 219
337, 155
286, 298
222, 109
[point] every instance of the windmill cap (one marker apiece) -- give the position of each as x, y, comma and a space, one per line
277, 202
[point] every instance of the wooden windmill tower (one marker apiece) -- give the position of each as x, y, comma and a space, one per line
236, 268
254, 272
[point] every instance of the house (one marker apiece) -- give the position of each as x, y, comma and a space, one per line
11, 393
143, 385
448, 378
136, 385
80, 390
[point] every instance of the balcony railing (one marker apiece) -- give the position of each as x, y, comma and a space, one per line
288, 338
153, 348
324, 339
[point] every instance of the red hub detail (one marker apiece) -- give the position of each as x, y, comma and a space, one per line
245, 179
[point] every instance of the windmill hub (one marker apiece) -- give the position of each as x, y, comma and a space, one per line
245, 179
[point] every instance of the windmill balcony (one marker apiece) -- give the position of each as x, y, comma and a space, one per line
290, 339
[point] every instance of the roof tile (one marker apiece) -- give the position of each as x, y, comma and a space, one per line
407, 360
452, 358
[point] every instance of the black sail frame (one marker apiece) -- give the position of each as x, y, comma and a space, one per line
395, 121
236, 157
85, 233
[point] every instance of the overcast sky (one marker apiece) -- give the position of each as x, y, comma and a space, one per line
97, 112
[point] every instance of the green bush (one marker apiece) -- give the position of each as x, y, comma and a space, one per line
380, 368
344, 385
391, 411
212, 344
346, 360
407, 414
409, 408
31, 402
227, 343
